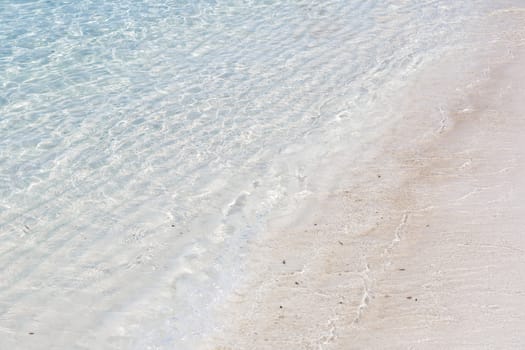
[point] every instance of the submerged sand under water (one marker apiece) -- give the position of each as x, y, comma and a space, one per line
421, 245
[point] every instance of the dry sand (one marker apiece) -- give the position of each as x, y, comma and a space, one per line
424, 249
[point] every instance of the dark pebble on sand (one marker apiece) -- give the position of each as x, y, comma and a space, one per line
280, 306
409, 298
401, 269
31, 333
297, 283
284, 262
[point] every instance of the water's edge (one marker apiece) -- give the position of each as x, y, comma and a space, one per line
311, 277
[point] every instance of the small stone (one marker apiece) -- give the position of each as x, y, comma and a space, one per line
409, 298
31, 333
341, 243
401, 269
284, 262
296, 283
280, 306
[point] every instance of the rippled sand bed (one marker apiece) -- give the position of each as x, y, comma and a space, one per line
423, 248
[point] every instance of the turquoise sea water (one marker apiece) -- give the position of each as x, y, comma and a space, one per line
143, 142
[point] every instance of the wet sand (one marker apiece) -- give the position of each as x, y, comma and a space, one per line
421, 246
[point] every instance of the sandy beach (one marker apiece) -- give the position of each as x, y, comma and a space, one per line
262, 175
421, 246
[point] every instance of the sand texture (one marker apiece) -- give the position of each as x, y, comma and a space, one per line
424, 248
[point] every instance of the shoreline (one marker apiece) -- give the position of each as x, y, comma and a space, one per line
392, 259
261, 176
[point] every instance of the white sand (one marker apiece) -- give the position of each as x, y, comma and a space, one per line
423, 247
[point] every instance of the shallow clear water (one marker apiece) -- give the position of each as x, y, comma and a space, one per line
142, 143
